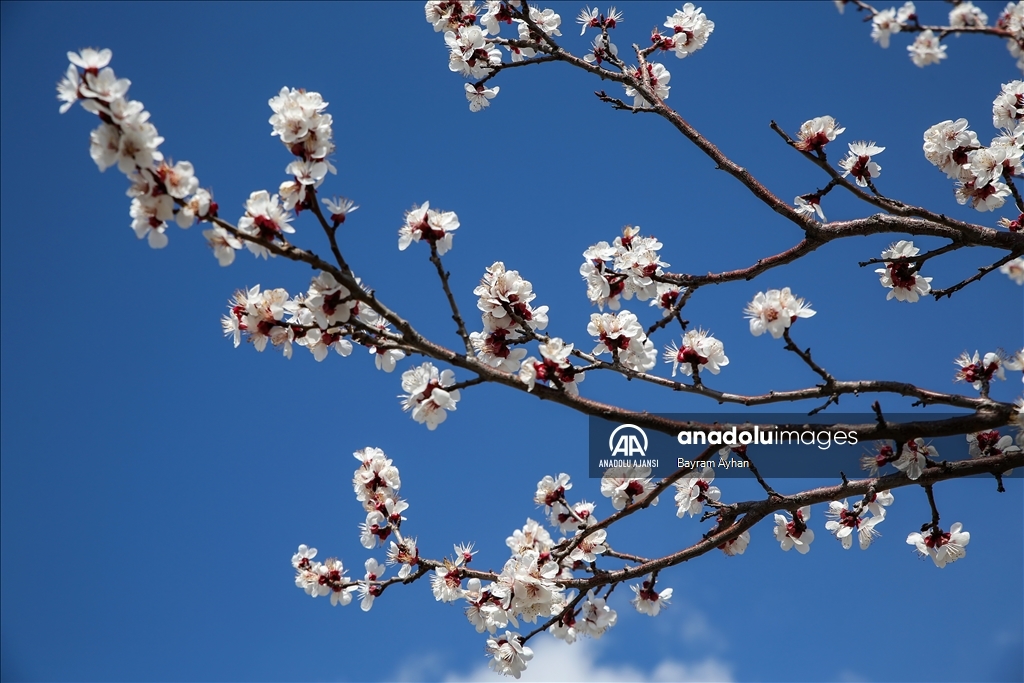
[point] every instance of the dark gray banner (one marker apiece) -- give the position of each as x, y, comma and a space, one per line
788, 445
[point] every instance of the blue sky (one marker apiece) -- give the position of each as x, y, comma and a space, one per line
155, 481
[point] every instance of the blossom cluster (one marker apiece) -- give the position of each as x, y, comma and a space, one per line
305, 130
509, 317
858, 162
1012, 20
376, 483
694, 491
689, 30
886, 22
622, 336
628, 485
978, 170
530, 585
844, 520
927, 48
979, 371
429, 395
626, 268
126, 138
321, 319
912, 458
941, 546
602, 48
322, 578
472, 47
527, 588
553, 367
473, 43
504, 299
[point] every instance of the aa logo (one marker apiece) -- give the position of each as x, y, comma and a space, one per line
628, 441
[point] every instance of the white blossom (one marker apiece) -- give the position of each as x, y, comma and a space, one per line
533, 536
690, 30
736, 546
426, 396
470, 53
902, 278
1014, 270
775, 311
655, 79
649, 601
90, 59
913, 457
965, 15
942, 547
600, 50
339, 209
883, 24
434, 227
595, 617
987, 197
623, 337
508, 654
947, 144
858, 162
67, 88
553, 368
808, 205
697, 349
446, 582
979, 371
223, 243
480, 97
693, 490
305, 130
793, 532
627, 485
590, 547
926, 49
843, 522
816, 133
505, 296
404, 553
368, 588
264, 218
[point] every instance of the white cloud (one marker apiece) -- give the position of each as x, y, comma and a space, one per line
553, 660
697, 629
420, 668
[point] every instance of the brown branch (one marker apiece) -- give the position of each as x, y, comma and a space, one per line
435, 258
756, 511
982, 272
943, 31
805, 356
919, 260
1008, 178
673, 313
329, 229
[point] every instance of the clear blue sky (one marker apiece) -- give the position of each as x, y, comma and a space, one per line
155, 481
